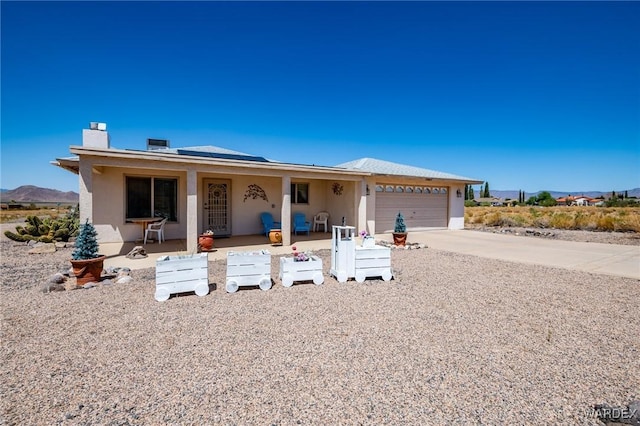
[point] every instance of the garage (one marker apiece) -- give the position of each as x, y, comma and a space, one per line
421, 206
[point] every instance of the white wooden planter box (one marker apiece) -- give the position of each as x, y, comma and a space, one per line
179, 274
373, 262
249, 268
291, 271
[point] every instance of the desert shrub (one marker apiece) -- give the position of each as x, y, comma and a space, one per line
493, 219
627, 223
581, 220
541, 222
509, 221
561, 220
605, 223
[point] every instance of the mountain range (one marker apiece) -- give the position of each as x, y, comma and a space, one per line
34, 194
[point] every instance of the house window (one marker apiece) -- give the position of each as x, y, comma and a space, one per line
152, 197
299, 193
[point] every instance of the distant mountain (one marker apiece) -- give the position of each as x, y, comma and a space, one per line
513, 194
34, 194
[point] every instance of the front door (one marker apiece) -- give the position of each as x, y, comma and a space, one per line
217, 206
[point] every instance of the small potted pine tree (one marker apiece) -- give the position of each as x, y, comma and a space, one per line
400, 231
86, 262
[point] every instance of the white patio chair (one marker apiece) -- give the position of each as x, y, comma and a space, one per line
321, 218
157, 228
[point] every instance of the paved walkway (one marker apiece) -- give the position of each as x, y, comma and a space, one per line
609, 259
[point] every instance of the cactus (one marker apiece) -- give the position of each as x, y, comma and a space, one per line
47, 230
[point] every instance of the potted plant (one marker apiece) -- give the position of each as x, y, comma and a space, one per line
367, 240
86, 262
400, 231
205, 240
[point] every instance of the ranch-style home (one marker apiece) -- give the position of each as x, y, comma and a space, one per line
207, 187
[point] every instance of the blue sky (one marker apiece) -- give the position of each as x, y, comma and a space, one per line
524, 95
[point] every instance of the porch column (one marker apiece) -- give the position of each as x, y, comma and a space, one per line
285, 215
85, 175
192, 211
361, 204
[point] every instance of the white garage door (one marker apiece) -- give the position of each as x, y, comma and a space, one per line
421, 206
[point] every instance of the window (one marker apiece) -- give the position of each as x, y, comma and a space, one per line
152, 197
299, 193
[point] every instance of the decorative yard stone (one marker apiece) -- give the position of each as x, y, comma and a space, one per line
56, 283
126, 279
41, 248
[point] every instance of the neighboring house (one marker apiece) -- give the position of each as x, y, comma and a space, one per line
492, 201
579, 200
208, 187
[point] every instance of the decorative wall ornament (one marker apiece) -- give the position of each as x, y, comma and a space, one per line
337, 188
254, 191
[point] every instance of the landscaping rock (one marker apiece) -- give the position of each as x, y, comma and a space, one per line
41, 248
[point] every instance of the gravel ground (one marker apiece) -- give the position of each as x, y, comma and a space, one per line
452, 339
625, 238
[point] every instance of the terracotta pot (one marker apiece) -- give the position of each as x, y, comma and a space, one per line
205, 242
399, 238
275, 236
88, 270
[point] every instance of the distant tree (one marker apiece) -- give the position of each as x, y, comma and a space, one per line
466, 192
613, 194
472, 195
532, 201
486, 193
626, 194
545, 199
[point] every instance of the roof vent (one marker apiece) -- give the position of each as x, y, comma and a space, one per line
153, 144
94, 125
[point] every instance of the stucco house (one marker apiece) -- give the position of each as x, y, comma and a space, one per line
209, 187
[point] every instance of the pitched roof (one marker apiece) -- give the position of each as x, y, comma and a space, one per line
381, 167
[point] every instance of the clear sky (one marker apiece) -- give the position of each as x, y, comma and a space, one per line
525, 95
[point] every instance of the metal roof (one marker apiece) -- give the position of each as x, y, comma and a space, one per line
381, 167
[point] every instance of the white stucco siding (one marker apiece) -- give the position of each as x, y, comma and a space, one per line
245, 214
456, 210
109, 204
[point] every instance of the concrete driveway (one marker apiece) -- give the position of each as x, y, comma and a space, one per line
609, 259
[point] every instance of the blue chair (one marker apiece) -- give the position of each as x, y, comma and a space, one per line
268, 223
300, 223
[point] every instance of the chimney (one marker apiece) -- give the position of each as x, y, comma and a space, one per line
96, 136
